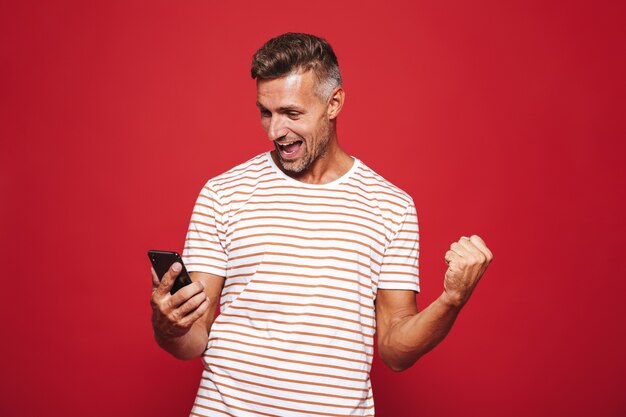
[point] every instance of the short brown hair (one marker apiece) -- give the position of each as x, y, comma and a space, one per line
291, 52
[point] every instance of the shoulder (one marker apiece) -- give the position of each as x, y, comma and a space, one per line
379, 187
251, 169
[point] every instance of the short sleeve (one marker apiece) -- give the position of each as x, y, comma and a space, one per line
400, 266
205, 243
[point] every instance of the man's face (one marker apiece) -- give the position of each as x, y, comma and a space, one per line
295, 118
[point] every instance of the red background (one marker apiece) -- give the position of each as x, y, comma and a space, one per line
504, 119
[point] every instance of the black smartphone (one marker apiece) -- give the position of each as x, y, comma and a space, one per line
162, 261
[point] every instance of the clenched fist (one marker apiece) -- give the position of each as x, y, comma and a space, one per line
467, 261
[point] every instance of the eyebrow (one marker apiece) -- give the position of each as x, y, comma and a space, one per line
291, 107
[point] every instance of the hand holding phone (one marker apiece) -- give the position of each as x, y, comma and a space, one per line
174, 313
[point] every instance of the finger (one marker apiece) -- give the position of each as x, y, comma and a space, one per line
459, 250
196, 314
187, 292
167, 282
451, 259
449, 256
192, 304
470, 247
155, 279
480, 244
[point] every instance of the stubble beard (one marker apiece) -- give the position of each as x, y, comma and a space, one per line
304, 163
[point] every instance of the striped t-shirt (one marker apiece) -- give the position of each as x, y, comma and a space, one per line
302, 266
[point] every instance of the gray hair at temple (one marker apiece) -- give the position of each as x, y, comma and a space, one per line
294, 52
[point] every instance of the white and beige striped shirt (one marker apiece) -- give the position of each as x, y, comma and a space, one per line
302, 266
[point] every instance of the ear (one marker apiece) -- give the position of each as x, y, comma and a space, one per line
335, 102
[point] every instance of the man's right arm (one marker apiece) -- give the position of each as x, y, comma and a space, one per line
182, 321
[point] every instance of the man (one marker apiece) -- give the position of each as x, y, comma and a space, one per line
310, 253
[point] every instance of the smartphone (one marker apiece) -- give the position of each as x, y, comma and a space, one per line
162, 261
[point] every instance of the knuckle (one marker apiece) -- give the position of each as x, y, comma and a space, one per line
174, 317
191, 319
186, 323
182, 311
175, 299
156, 302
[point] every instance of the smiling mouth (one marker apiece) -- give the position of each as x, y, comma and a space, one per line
287, 149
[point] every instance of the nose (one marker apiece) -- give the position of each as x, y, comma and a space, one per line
277, 128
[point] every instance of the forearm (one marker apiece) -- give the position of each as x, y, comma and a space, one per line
410, 337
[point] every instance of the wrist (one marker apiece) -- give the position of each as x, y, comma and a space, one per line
452, 300
187, 346
168, 339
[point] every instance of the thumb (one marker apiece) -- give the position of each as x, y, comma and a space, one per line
167, 282
155, 279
